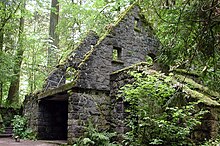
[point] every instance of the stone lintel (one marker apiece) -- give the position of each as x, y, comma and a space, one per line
55, 91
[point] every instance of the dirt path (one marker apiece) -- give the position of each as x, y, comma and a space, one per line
11, 142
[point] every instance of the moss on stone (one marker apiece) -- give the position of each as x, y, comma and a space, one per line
54, 91
202, 98
197, 86
137, 29
197, 91
186, 72
131, 67
123, 14
121, 17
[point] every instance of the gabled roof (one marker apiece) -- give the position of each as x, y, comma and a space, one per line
68, 86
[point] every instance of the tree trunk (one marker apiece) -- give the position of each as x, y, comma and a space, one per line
13, 93
1, 83
54, 38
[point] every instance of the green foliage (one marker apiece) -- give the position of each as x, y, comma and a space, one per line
6, 64
2, 126
93, 137
212, 142
189, 34
115, 55
149, 120
20, 128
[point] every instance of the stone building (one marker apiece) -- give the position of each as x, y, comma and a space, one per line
79, 89
83, 87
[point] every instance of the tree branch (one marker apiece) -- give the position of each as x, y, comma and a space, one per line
9, 17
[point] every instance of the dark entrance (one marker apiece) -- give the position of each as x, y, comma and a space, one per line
53, 115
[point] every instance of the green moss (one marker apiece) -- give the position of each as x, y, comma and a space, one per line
1, 119
88, 34
131, 67
185, 72
121, 17
123, 14
197, 86
86, 57
202, 98
54, 91
137, 29
189, 86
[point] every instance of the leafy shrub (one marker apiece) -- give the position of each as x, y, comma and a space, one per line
92, 137
212, 142
2, 128
20, 128
151, 122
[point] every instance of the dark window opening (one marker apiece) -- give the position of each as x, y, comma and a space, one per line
116, 54
150, 58
136, 25
153, 56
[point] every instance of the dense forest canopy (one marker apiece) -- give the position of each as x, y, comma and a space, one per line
35, 35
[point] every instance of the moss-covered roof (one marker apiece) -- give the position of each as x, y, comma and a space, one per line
196, 86
199, 92
196, 90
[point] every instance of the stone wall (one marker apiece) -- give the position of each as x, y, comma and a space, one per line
63, 71
210, 124
87, 106
31, 111
132, 47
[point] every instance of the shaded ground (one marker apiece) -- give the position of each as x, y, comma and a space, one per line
11, 142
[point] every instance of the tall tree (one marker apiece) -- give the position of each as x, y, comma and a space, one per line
53, 35
8, 10
1, 83
13, 93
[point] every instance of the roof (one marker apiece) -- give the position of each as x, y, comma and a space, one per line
199, 92
50, 92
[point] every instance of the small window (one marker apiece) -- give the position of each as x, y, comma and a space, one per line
136, 22
116, 54
136, 25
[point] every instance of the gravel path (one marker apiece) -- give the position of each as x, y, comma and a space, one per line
11, 142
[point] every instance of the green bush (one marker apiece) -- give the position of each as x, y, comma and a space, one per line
212, 142
2, 128
150, 120
93, 137
20, 128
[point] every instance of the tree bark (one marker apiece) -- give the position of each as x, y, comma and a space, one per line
13, 93
54, 37
1, 49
